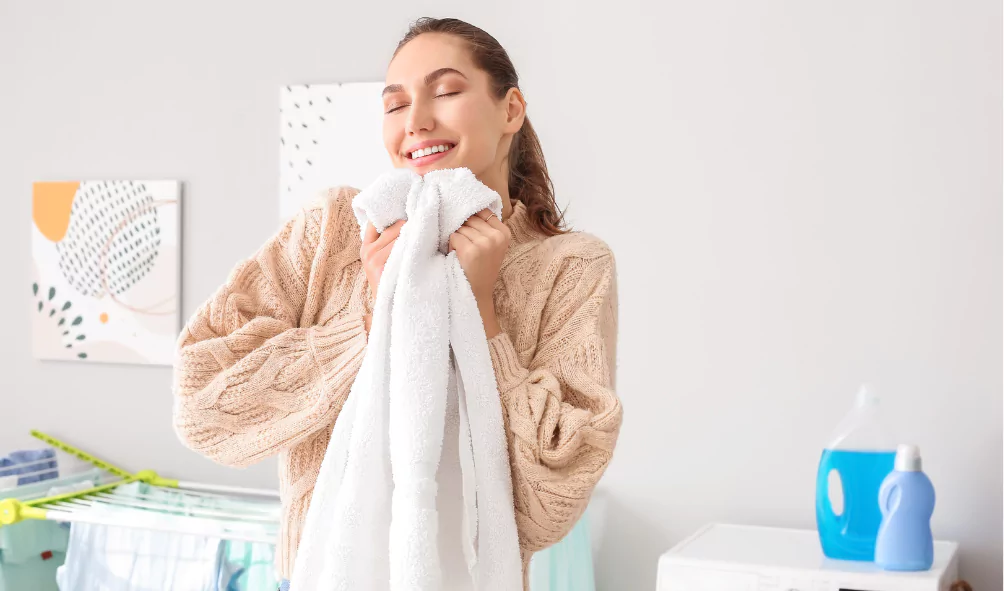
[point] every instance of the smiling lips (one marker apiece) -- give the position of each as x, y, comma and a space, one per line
429, 152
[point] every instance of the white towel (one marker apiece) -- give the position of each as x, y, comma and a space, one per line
372, 522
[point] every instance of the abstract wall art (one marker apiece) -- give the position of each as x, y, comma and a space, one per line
106, 271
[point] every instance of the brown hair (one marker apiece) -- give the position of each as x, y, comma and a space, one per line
529, 181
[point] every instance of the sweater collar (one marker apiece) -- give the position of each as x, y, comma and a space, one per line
521, 231
520, 228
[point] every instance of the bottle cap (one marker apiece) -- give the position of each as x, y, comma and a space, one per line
908, 458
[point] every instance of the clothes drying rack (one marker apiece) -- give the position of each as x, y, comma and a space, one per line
105, 498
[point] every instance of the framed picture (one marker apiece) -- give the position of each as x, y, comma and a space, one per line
106, 270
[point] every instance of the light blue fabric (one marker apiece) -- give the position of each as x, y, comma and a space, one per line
112, 558
29, 461
37, 574
247, 566
115, 558
23, 547
27, 540
66, 484
567, 565
284, 585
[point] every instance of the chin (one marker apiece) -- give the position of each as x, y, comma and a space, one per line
439, 167
445, 165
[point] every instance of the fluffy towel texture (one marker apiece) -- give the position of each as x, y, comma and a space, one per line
372, 523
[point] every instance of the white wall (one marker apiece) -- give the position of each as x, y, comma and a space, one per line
801, 195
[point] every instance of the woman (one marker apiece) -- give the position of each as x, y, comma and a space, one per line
266, 364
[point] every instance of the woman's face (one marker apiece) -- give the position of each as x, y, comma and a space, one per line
436, 99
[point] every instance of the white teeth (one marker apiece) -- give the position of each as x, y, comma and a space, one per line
431, 150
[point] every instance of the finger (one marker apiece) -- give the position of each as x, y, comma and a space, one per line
371, 234
384, 252
485, 215
493, 221
478, 224
496, 223
458, 240
390, 233
472, 234
494, 229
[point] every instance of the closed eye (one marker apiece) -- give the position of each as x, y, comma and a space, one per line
398, 108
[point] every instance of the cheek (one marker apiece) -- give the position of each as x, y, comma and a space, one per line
393, 133
459, 117
470, 123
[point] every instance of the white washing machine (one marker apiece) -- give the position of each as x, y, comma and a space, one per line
747, 558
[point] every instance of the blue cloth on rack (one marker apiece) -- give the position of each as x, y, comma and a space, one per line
567, 565
27, 540
116, 558
247, 566
30, 553
30, 463
38, 574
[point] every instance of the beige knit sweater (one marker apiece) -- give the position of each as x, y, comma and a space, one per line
266, 364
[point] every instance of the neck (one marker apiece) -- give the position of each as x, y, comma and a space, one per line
498, 182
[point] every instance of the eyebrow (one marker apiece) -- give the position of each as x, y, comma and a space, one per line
429, 79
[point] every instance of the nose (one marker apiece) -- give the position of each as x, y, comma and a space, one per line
419, 118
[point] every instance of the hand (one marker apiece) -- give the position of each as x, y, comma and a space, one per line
481, 245
375, 252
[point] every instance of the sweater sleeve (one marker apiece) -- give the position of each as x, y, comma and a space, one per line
253, 373
561, 410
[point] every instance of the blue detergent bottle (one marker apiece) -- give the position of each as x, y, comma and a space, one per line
906, 500
859, 457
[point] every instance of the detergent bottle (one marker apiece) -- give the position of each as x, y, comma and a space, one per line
907, 502
859, 457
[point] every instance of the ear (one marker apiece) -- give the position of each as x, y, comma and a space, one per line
515, 110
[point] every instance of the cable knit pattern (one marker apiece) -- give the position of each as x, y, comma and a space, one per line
265, 365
